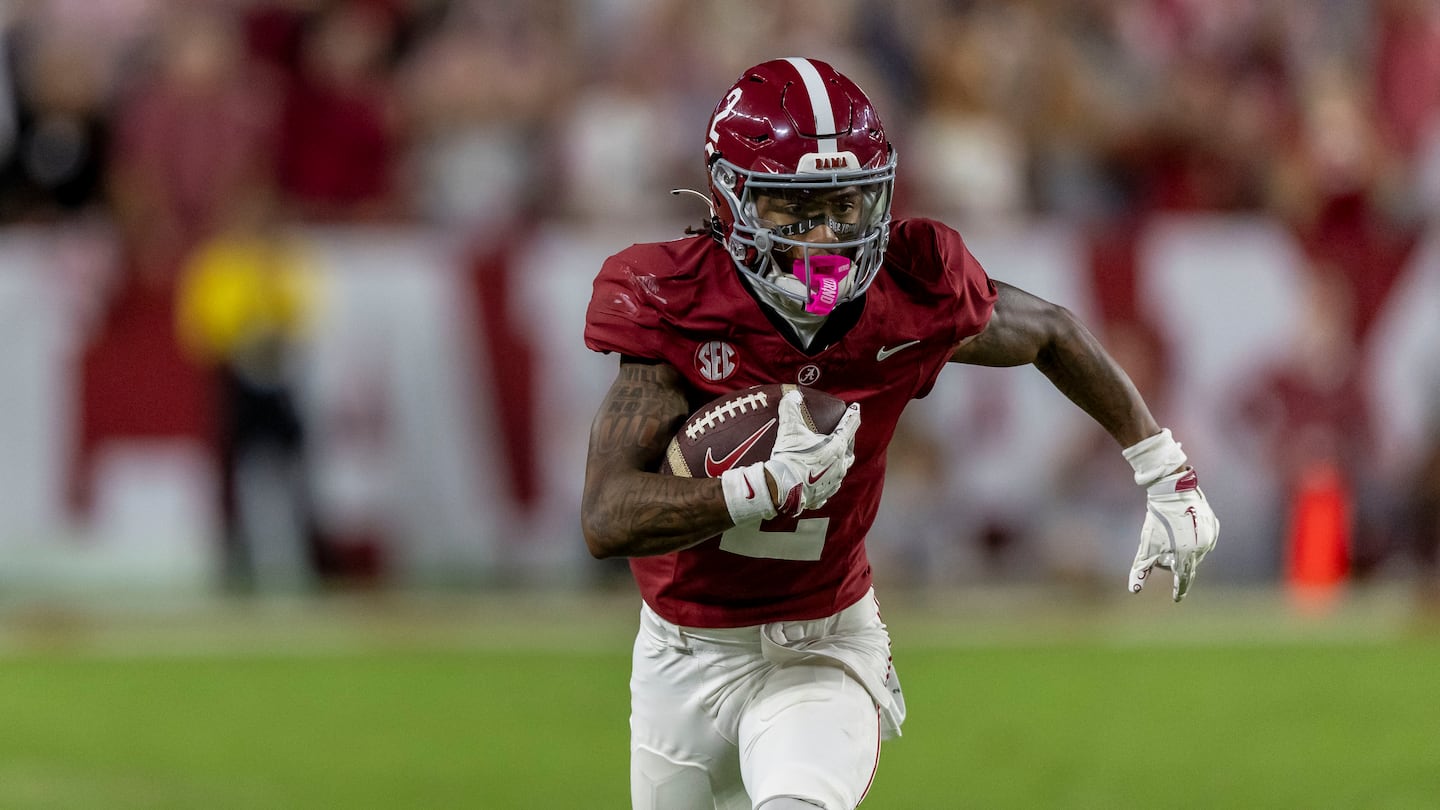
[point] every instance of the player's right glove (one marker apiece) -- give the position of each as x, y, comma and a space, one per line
806, 467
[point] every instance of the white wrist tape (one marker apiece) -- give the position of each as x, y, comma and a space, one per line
747, 495
1154, 458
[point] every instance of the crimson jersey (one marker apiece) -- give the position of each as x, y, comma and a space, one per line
684, 303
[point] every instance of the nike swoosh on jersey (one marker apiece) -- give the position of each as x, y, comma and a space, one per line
886, 352
714, 467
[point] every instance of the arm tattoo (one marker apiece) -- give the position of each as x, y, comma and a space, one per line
628, 509
638, 413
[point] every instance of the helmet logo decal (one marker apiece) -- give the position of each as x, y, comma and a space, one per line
715, 360
808, 374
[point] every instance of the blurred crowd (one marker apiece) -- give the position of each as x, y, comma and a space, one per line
200, 130
173, 117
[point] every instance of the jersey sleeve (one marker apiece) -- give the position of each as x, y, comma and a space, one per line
974, 293
933, 264
623, 316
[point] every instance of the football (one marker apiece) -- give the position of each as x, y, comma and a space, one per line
739, 428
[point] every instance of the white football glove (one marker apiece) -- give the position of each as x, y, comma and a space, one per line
807, 467
1180, 529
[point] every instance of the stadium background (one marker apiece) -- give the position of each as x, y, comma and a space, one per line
389, 212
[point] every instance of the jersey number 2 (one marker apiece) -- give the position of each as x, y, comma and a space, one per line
802, 539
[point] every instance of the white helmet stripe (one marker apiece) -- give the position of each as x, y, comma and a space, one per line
819, 102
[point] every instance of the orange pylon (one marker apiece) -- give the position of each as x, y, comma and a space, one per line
1318, 545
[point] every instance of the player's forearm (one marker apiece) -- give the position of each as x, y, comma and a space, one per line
635, 514
625, 511
1085, 373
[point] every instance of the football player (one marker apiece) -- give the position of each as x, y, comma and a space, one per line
762, 674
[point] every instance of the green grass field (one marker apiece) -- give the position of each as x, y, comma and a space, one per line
491, 704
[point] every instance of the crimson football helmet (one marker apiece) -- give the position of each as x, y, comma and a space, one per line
798, 131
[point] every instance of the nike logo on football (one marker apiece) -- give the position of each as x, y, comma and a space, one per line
886, 352
714, 467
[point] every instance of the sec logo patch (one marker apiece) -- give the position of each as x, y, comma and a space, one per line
715, 360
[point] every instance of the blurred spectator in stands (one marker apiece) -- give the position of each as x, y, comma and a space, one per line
273, 30
195, 141
1406, 75
969, 160
479, 100
1083, 94
825, 29
340, 140
623, 103
1339, 189
1212, 135
56, 128
245, 298
1406, 70
61, 63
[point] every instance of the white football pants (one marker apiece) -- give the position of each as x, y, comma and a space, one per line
724, 719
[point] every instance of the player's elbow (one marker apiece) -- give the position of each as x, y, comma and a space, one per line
598, 524
1060, 324
1064, 335
602, 539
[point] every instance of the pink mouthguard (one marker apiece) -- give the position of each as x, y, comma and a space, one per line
825, 288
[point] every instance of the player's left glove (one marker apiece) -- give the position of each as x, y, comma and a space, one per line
1180, 529
807, 467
